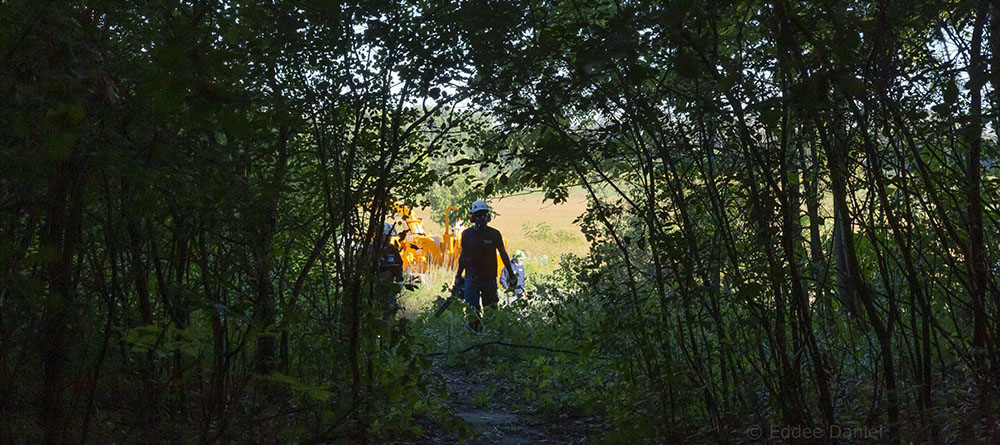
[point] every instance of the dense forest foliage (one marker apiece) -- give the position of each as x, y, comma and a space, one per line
793, 213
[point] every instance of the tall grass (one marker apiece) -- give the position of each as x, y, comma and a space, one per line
435, 284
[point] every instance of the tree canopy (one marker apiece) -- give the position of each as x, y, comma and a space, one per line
792, 219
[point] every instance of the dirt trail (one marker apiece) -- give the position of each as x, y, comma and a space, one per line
492, 409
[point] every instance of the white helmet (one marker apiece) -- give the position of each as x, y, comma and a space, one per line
388, 229
479, 206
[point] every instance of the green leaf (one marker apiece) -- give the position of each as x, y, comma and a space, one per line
60, 144
770, 117
970, 133
976, 81
75, 113
315, 392
853, 86
950, 93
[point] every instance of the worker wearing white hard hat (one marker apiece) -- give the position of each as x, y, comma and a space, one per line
480, 244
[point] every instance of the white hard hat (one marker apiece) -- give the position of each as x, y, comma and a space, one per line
479, 206
388, 229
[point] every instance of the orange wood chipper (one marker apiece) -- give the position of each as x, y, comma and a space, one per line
421, 252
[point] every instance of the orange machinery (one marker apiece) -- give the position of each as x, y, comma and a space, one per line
421, 251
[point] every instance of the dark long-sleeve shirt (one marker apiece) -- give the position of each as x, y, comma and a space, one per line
479, 252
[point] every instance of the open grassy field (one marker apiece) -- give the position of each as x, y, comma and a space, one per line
544, 231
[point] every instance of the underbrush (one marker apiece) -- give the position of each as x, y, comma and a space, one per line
558, 354
531, 351
160, 383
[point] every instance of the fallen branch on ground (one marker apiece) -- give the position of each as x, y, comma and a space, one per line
509, 345
559, 420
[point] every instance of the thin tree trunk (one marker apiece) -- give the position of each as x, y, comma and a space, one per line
60, 236
982, 345
264, 305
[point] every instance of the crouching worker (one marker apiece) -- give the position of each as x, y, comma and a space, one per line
390, 269
480, 244
514, 285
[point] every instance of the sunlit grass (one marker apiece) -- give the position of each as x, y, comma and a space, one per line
423, 296
426, 294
